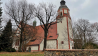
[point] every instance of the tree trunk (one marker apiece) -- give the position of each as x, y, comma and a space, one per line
45, 39
84, 38
20, 45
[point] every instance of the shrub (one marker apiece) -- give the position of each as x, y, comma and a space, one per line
90, 46
10, 50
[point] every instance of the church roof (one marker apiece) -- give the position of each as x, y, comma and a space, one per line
52, 34
63, 6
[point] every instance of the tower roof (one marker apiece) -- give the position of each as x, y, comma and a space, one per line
62, 4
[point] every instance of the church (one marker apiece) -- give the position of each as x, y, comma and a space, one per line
60, 35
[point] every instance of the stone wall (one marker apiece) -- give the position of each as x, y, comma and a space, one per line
73, 52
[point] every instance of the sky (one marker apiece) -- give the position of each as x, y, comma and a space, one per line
79, 9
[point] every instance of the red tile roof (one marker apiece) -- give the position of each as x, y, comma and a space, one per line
39, 36
52, 34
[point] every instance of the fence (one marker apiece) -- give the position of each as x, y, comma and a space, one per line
73, 52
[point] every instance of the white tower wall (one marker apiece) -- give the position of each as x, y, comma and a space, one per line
62, 34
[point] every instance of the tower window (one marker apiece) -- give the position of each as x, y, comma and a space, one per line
65, 11
32, 40
61, 14
50, 36
62, 42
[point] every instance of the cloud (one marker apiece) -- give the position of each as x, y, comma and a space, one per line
86, 4
86, 9
73, 0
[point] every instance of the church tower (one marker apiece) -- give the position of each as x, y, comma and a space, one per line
64, 27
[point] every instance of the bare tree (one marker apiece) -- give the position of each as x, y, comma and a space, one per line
93, 32
84, 30
47, 16
28, 34
21, 12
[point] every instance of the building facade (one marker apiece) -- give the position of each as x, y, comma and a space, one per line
59, 35
64, 28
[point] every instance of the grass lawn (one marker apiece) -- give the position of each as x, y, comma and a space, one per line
21, 54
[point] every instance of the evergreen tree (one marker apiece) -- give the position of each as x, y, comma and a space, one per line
0, 10
0, 18
0, 27
5, 41
8, 29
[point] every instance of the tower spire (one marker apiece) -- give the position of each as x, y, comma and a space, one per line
62, 2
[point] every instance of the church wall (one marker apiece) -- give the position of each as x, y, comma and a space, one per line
14, 46
51, 44
34, 47
27, 48
18, 31
70, 32
70, 28
42, 45
62, 34
71, 44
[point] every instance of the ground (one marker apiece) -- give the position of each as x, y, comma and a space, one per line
21, 53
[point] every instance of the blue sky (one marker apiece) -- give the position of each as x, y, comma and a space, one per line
85, 9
